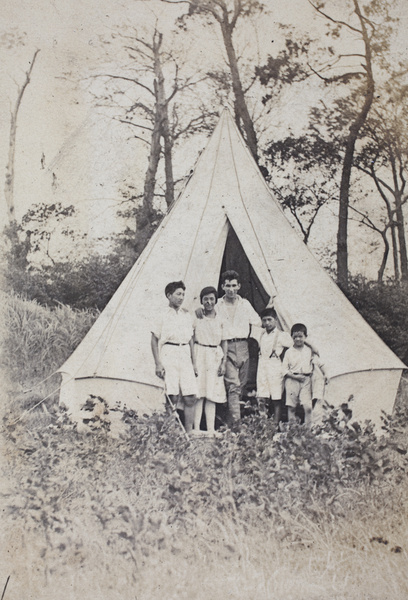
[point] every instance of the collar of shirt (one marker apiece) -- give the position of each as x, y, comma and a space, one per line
222, 300
177, 326
237, 323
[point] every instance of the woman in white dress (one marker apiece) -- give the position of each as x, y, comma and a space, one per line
211, 358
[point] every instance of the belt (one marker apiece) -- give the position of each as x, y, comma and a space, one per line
174, 344
304, 374
238, 340
206, 345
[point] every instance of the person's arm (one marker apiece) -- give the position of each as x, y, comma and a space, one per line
192, 352
312, 347
156, 356
254, 318
199, 312
223, 364
323, 370
326, 377
287, 371
286, 340
254, 321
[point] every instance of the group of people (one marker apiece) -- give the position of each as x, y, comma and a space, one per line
204, 359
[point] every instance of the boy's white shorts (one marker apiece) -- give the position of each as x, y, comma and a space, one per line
299, 392
179, 373
269, 379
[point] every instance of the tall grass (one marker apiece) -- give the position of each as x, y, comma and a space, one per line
37, 340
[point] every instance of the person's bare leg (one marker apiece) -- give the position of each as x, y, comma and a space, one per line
308, 417
277, 411
291, 414
189, 410
198, 413
210, 415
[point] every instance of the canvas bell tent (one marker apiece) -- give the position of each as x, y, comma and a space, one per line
227, 218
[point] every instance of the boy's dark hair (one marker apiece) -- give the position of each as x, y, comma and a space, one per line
208, 290
173, 286
299, 327
268, 312
229, 275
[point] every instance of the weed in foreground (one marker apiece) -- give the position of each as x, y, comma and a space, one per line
248, 515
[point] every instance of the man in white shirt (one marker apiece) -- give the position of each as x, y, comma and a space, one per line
173, 351
238, 316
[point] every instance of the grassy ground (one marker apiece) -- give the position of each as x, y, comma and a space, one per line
251, 515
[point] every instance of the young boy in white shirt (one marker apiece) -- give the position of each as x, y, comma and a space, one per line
269, 379
298, 365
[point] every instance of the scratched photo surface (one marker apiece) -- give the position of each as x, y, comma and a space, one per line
145, 142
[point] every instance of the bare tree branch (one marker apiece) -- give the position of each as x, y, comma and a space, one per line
9, 182
344, 76
123, 78
335, 21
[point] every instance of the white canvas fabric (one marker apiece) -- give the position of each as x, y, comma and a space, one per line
227, 190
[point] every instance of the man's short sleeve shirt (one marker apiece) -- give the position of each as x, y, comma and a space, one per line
238, 318
174, 326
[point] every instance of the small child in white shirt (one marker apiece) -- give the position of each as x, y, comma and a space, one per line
298, 365
269, 379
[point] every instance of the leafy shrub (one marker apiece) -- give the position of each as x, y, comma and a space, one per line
86, 283
385, 308
157, 509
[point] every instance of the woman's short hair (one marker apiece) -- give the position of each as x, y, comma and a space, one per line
208, 290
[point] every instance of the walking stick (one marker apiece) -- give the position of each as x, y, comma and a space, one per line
174, 410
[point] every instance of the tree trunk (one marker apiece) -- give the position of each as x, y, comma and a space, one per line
401, 236
399, 186
154, 158
391, 221
384, 258
9, 182
144, 217
162, 107
395, 256
240, 102
342, 232
168, 162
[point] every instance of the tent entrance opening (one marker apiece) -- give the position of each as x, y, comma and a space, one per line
235, 259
